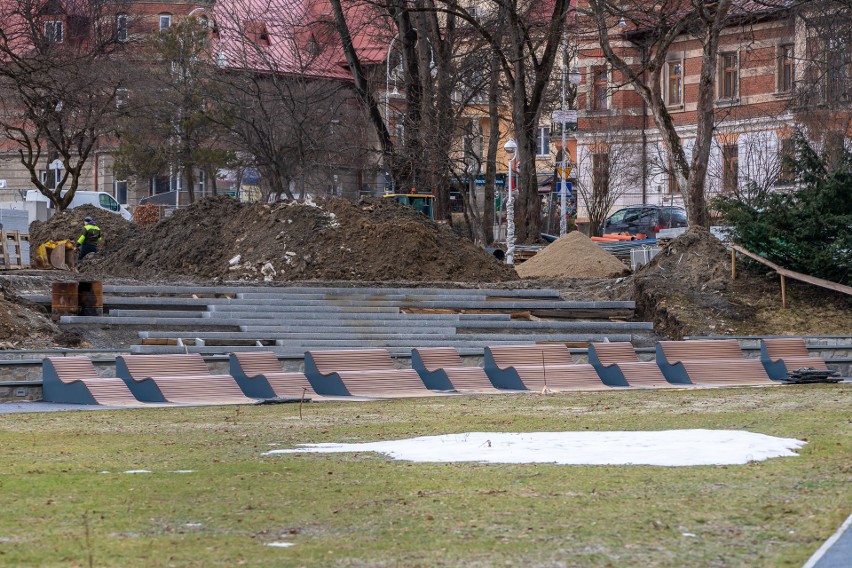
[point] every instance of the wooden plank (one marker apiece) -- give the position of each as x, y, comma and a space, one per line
584, 313
795, 275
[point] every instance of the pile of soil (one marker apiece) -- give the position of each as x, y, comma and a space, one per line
25, 325
221, 239
572, 256
687, 290
68, 225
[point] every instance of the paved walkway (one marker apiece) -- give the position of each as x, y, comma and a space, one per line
836, 552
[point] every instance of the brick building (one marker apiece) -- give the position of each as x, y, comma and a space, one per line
775, 73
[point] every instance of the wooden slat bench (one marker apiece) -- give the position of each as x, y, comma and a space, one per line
441, 368
74, 380
618, 365
259, 375
714, 362
181, 379
362, 372
784, 354
534, 367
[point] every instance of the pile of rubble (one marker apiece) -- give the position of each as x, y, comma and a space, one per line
221, 239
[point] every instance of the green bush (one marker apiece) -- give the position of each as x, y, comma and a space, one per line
808, 229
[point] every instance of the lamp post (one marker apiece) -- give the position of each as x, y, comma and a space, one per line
510, 148
574, 78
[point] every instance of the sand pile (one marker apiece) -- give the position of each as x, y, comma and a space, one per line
374, 240
573, 256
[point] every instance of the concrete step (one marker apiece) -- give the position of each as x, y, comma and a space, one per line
174, 290
291, 349
158, 313
310, 314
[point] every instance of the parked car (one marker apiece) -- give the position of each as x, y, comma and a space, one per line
646, 219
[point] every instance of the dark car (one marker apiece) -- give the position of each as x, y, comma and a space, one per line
646, 219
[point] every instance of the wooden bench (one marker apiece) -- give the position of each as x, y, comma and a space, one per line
74, 380
362, 372
259, 375
534, 367
717, 362
782, 355
618, 365
181, 379
441, 368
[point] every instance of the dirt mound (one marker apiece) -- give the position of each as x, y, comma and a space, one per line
573, 256
219, 238
69, 225
682, 288
24, 325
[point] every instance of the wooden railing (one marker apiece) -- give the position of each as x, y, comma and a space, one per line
784, 273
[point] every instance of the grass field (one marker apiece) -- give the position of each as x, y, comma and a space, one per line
65, 500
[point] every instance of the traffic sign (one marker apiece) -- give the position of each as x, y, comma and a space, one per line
2, 184
567, 171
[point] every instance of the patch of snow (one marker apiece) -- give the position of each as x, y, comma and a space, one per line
138, 471
183, 471
280, 544
659, 448
235, 260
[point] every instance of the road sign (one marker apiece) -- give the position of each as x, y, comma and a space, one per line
568, 116
567, 171
2, 184
568, 188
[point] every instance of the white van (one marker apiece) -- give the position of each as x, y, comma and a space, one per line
99, 199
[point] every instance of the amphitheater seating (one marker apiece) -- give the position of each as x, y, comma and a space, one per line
74, 380
362, 372
618, 365
181, 379
782, 355
539, 367
441, 368
709, 362
259, 375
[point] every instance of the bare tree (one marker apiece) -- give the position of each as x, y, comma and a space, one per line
287, 105
609, 169
652, 28
167, 124
59, 77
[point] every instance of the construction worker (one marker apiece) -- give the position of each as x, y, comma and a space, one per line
89, 240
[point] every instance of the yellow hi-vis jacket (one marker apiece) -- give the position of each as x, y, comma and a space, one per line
91, 236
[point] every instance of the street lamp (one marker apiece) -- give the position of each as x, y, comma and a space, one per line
510, 149
573, 78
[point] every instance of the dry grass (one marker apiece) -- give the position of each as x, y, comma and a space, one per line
60, 509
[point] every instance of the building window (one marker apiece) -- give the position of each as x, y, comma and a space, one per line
121, 28
542, 141
202, 179
674, 83
674, 188
165, 21
121, 191
730, 168
256, 33
122, 96
54, 31
837, 72
599, 88
787, 157
600, 173
786, 69
728, 76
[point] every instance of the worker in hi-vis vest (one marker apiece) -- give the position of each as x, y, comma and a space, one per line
89, 240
